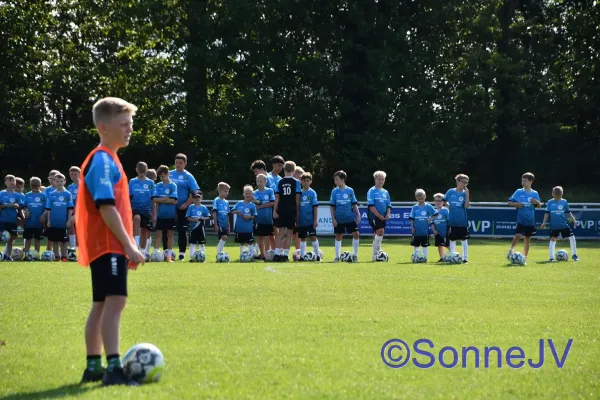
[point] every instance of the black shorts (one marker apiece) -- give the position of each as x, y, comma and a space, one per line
306, 231
32, 233
564, 233
146, 221
348, 227
441, 241
8, 226
263, 230
109, 276
166, 224
420, 241
524, 230
377, 224
57, 234
222, 232
198, 236
182, 221
287, 220
458, 233
244, 237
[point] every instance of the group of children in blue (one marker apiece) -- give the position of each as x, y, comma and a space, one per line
175, 202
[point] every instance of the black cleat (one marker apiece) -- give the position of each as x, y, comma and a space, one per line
285, 259
440, 260
276, 258
181, 257
92, 376
465, 261
117, 377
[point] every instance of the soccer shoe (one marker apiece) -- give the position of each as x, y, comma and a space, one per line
181, 257
258, 257
92, 376
276, 258
465, 261
117, 377
575, 258
354, 259
337, 259
552, 260
64, 259
440, 260
285, 259
8, 258
509, 254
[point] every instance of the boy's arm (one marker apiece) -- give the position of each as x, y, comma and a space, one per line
355, 208
216, 224
375, 212
515, 204
297, 206
467, 198
388, 212
332, 210
49, 219
113, 221
546, 215
570, 214
275, 205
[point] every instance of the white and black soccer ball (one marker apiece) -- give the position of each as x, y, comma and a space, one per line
4, 236
346, 256
381, 256
296, 255
143, 363
517, 258
246, 256
32, 255
71, 254
446, 257
198, 256
17, 254
418, 258
157, 256
269, 255
310, 256
222, 257
562, 255
168, 253
47, 256
455, 258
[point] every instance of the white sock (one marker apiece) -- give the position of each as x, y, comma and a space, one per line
192, 249
277, 251
255, 249
465, 246
302, 248
315, 246
452, 246
573, 245
149, 244
378, 240
425, 251
220, 245
355, 246
374, 246
416, 251
551, 248
73, 241
136, 238
286, 252
202, 248
241, 251
338, 248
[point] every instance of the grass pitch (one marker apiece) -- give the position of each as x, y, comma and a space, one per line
314, 330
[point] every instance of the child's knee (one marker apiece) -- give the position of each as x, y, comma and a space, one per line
224, 238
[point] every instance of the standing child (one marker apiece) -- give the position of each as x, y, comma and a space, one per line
308, 219
244, 223
260, 168
525, 200
297, 175
380, 207
20, 189
440, 225
10, 204
141, 190
345, 214
459, 199
151, 175
264, 199
73, 188
59, 204
286, 209
420, 217
35, 205
164, 212
557, 209
220, 211
196, 214
47, 191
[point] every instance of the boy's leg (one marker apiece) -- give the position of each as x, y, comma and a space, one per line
63, 249
9, 245
143, 238
111, 326
93, 344
149, 241
272, 242
170, 243
165, 236
72, 237
514, 243
26, 246
315, 245
37, 244
182, 231
261, 245
137, 222
297, 241
465, 248
526, 242
221, 244
302, 247
338, 246
552, 247
441, 251
157, 239
452, 246
573, 244
355, 242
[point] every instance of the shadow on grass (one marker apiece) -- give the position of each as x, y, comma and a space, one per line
545, 262
61, 391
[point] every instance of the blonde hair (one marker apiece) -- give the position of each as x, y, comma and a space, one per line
439, 196
557, 191
53, 172
75, 168
261, 176
420, 192
379, 174
461, 177
299, 170
108, 107
151, 174
7, 177
59, 176
248, 187
289, 167
222, 186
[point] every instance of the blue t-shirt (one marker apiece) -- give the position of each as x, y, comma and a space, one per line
265, 215
9, 215
458, 211
186, 183
140, 193
221, 207
165, 210
308, 207
73, 188
275, 178
343, 200
196, 211
59, 204
49, 190
441, 222
247, 209
102, 175
420, 215
558, 211
525, 214
36, 204
380, 199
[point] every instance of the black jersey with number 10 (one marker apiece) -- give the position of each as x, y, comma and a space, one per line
288, 188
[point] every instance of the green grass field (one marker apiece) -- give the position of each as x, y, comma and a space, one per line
314, 330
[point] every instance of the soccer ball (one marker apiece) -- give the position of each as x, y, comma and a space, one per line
562, 255
310, 256
517, 259
246, 256
346, 256
418, 258
32, 255
198, 256
222, 257
157, 256
146, 255
143, 363
168, 253
4, 237
455, 258
47, 256
71, 254
381, 256
269, 255
296, 256
17, 254
446, 257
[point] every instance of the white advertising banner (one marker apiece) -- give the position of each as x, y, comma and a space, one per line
325, 222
